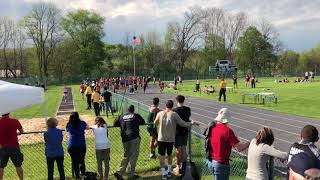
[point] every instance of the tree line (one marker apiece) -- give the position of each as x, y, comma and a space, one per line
48, 45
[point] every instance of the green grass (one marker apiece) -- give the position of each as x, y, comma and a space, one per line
53, 97
35, 164
293, 98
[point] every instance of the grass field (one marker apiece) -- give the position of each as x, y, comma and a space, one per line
53, 97
293, 98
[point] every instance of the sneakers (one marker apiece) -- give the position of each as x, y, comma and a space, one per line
135, 176
164, 177
118, 176
177, 170
169, 174
152, 156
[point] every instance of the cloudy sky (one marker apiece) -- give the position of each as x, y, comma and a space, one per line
297, 21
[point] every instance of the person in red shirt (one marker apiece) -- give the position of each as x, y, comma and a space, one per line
9, 146
222, 140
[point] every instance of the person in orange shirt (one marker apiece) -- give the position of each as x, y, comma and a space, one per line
223, 88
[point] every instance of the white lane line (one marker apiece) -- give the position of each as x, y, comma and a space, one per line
240, 119
264, 119
250, 122
265, 114
229, 123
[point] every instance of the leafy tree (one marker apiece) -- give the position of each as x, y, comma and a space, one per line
254, 52
214, 49
288, 62
42, 25
310, 60
86, 30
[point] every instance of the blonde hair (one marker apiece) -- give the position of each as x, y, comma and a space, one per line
52, 123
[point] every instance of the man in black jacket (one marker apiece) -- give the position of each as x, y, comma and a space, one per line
181, 140
129, 124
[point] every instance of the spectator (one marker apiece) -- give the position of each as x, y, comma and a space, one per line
247, 79
54, 151
129, 124
259, 153
223, 89
206, 89
77, 144
9, 145
107, 96
253, 81
82, 89
167, 121
222, 139
152, 129
197, 86
102, 146
88, 93
145, 85
96, 100
306, 76
304, 155
181, 137
65, 93
211, 90
235, 81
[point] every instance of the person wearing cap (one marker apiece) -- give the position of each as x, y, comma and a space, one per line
222, 140
304, 155
9, 146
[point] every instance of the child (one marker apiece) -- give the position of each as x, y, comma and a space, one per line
102, 146
54, 151
65, 93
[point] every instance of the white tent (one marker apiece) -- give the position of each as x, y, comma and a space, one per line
16, 96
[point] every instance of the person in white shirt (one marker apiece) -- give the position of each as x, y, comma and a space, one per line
102, 144
259, 152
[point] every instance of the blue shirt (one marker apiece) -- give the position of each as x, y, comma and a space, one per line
53, 140
76, 135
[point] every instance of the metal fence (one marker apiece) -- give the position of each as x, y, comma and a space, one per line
33, 148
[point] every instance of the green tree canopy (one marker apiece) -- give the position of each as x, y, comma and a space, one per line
86, 30
254, 52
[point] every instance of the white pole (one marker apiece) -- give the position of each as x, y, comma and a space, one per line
134, 62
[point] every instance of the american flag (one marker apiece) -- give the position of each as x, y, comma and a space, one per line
136, 41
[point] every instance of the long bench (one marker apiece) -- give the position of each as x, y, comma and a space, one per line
254, 95
272, 98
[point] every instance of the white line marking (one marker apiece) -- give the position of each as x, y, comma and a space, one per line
210, 118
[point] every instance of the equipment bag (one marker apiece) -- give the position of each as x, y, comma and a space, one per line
189, 168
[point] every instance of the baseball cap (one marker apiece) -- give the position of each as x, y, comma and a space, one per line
223, 116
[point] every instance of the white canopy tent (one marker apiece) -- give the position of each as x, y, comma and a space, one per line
16, 96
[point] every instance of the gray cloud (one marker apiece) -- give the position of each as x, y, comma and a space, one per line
298, 21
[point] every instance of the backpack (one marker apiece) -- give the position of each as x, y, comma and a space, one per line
207, 134
189, 168
90, 176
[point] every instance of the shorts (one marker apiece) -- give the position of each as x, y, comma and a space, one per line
181, 141
306, 77
164, 147
13, 153
153, 132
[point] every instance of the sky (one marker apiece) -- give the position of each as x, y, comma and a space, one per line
297, 21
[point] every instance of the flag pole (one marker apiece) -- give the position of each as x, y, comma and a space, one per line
134, 62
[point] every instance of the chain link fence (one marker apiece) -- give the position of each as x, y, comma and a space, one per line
34, 165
